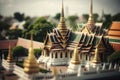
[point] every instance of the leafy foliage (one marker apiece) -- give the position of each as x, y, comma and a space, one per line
19, 51
20, 64
57, 16
115, 57
37, 52
116, 17
107, 22
72, 21
39, 28
19, 16
14, 33
5, 52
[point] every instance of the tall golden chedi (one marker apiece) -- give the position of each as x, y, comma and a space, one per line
10, 62
75, 62
30, 64
75, 57
96, 62
63, 28
96, 58
10, 57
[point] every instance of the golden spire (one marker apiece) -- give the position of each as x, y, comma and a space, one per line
61, 24
96, 58
54, 71
91, 19
75, 57
10, 57
30, 64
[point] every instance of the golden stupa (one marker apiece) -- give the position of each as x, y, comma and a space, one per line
96, 58
54, 71
10, 57
75, 57
30, 64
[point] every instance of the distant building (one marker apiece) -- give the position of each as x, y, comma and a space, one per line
17, 25
91, 26
114, 35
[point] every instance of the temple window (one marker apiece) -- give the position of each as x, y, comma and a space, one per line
80, 55
61, 55
71, 54
66, 54
56, 55
86, 56
52, 55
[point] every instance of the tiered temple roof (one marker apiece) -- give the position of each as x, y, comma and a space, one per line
114, 35
91, 26
64, 39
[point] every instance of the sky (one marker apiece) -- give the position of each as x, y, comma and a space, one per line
51, 7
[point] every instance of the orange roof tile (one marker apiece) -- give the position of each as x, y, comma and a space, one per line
5, 43
115, 46
26, 43
115, 25
20, 42
114, 30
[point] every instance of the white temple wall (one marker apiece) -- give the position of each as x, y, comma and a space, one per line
59, 57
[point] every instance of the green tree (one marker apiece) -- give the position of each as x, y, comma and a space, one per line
115, 57
57, 16
107, 22
14, 33
3, 27
116, 17
37, 52
85, 16
95, 17
19, 16
72, 21
39, 28
19, 51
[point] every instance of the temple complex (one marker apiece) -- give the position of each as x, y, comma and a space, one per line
60, 44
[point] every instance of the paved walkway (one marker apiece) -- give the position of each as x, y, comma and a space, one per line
60, 69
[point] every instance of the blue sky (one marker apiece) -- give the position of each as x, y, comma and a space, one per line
51, 7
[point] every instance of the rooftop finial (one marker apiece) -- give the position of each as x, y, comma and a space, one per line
62, 14
91, 8
91, 19
61, 24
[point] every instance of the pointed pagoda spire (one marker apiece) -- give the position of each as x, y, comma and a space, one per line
91, 19
75, 57
30, 64
61, 24
10, 57
96, 58
103, 15
54, 71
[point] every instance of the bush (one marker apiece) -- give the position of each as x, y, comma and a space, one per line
43, 70
115, 57
19, 51
5, 52
37, 52
20, 64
